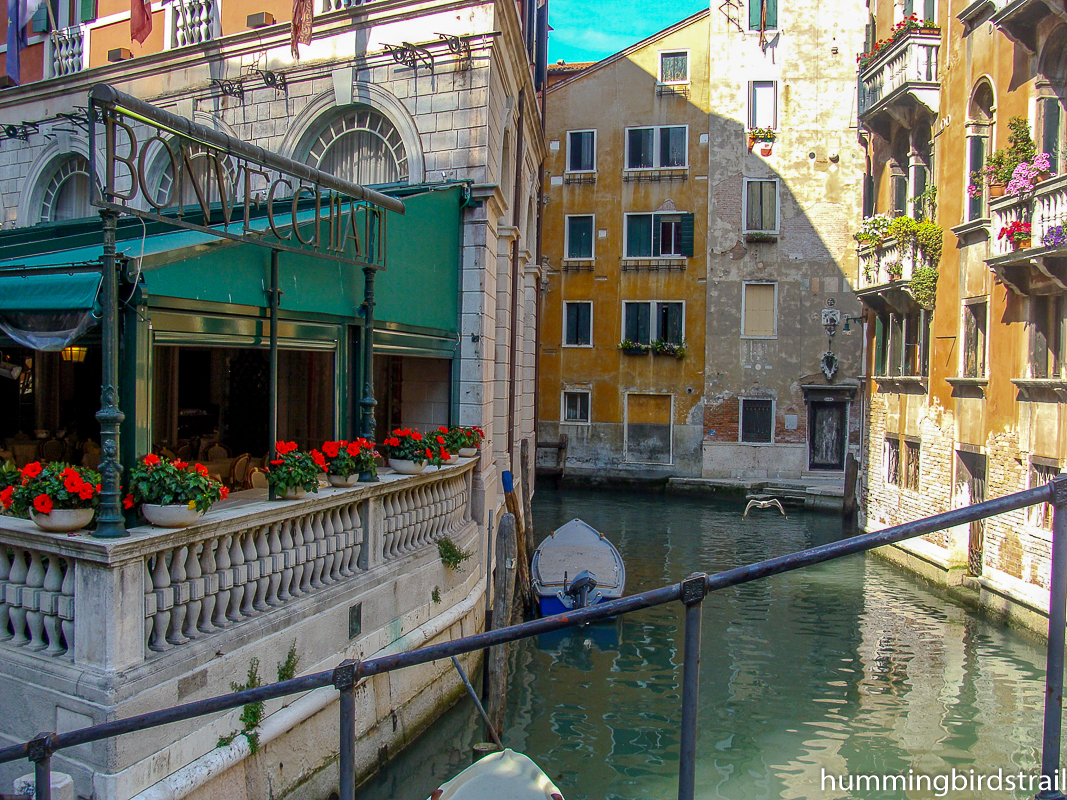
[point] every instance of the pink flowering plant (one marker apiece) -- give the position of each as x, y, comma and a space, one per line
1026, 176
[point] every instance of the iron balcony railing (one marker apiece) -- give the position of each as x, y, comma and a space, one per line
690, 592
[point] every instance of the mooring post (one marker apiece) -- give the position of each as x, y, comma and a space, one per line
41, 756
693, 589
1057, 618
344, 680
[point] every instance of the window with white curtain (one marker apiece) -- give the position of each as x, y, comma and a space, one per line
67, 194
360, 146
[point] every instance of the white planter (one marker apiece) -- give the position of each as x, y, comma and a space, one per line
452, 459
405, 467
63, 520
343, 483
172, 516
293, 493
468, 452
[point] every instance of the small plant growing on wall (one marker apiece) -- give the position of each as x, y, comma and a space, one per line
451, 554
435, 595
251, 714
287, 668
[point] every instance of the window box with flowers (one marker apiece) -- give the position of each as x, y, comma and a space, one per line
632, 348
172, 494
294, 472
409, 452
662, 348
907, 25
1018, 233
58, 498
348, 463
764, 136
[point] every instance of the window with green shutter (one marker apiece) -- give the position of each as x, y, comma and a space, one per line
762, 15
86, 10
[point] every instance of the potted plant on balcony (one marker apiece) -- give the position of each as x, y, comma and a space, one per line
1026, 176
662, 348
409, 452
1054, 237
873, 230
294, 473
172, 494
894, 269
465, 441
766, 138
59, 498
348, 463
1018, 233
1000, 166
632, 348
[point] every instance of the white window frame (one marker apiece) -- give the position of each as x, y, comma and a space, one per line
626, 429
741, 418
653, 316
777, 205
567, 238
567, 166
626, 233
563, 338
743, 310
563, 407
688, 68
657, 156
750, 117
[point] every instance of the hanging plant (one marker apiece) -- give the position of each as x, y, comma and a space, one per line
923, 286
904, 230
929, 237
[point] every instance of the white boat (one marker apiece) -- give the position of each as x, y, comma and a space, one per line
506, 775
575, 567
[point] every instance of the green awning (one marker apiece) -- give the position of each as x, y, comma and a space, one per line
49, 292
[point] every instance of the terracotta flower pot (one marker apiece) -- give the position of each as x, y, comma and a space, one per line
406, 467
63, 520
765, 149
996, 189
177, 515
1020, 244
343, 483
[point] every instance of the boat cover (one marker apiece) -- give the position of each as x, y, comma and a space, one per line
501, 776
574, 547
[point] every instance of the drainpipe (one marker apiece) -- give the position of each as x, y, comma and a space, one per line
515, 283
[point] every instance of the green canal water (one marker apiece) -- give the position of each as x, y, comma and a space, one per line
851, 668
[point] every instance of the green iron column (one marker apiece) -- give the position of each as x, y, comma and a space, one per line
368, 402
109, 522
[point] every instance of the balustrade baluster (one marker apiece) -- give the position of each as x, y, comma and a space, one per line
180, 590
325, 522
339, 541
5, 607
317, 550
310, 551
265, 565
194, 576
66, 609
240, 578
225, 575
209, 571
389, 524
53, 582
164, 602
289, 554
31, 598
252, 573
300, 553
277, 559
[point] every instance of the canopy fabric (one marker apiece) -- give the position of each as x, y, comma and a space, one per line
50, 292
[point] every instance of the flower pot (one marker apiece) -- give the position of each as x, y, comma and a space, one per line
1042, 176
996, 189
406, 467
452, 459
178, 515
1020, 244
635, 351
343, 483
468, 452
292, 493
765, 149
370, 476
63, 520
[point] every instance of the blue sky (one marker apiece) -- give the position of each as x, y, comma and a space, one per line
589, 30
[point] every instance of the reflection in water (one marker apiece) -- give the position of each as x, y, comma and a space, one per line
848, 668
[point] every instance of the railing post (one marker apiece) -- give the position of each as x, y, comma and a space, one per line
41, 756
693, 589
1057, 618
344, 680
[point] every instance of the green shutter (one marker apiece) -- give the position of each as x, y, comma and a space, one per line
755, 8
1050, 131
754, 14
39, 21
657, 229
772, 14
687, 234
86, 10
879, 345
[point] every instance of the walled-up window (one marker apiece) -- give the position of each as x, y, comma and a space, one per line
759, 310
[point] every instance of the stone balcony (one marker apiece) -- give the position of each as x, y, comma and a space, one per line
885, 271
1037, 267
69, 50
902, 78
92, 629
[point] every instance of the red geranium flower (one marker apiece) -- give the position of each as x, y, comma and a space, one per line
429, 454
151, 459
86, 492
277, 461
127, 501
7, 496
285, 447
352, 448
180, 464
31, 470
225, 492
42, 504
318, 458
331, 448
73, 482
200, 469
440, 439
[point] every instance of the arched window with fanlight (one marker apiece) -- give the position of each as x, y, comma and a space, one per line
979, 131
1052, 96
205, 173
361, 145
67, 194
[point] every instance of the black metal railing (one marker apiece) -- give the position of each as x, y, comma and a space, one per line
690, 592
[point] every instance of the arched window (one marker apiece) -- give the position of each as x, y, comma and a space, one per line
204, 174
67, 194
362, 146
979, 130
1052, 92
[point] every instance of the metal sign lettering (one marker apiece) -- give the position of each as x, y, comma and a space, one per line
262, 198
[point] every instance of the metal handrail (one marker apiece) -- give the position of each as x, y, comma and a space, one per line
690, 591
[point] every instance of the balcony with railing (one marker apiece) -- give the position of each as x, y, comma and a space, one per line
885, 274
69, 51
193, 22
903, 75
1040, 262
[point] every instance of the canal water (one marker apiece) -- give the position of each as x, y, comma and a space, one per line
851, 668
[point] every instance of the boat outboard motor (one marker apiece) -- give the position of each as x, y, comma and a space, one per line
580, 587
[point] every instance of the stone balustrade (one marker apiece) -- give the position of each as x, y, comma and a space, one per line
68, 597
909, 63
193, 22
883, 264
68, 51
1044, 208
